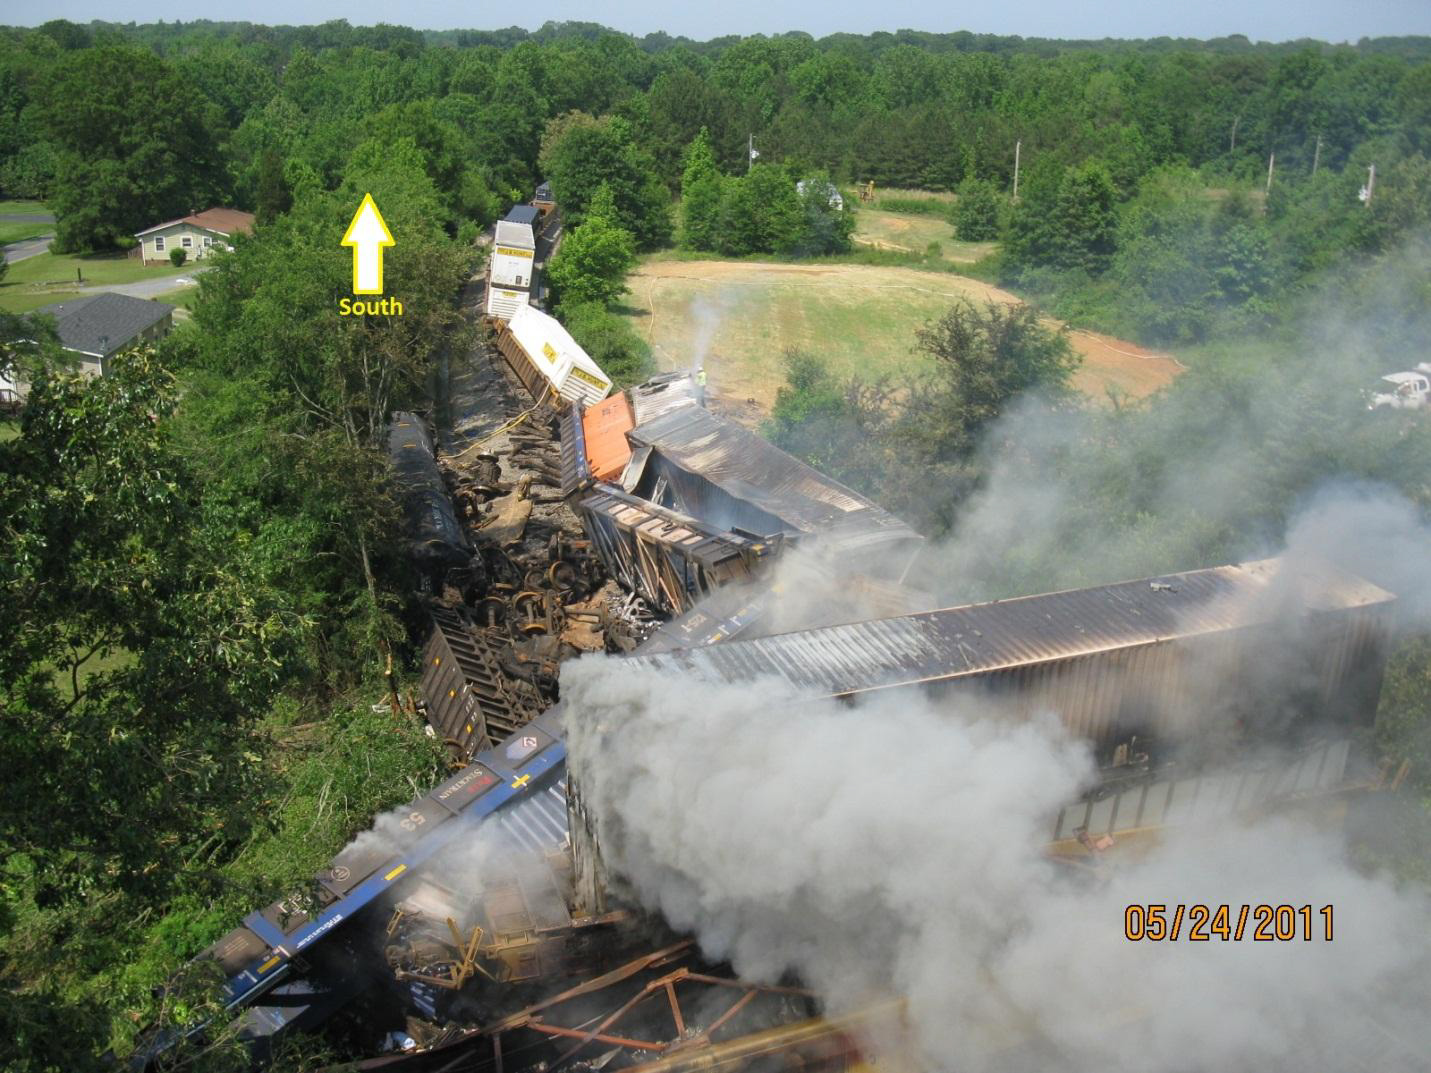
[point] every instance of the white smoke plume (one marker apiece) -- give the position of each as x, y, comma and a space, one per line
894, 847
706, 313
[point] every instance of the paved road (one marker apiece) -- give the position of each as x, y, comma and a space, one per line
31, 247
26, 218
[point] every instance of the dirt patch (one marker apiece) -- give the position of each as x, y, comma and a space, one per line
738, 319
1116, 365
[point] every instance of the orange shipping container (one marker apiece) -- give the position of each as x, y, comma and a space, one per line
605, 426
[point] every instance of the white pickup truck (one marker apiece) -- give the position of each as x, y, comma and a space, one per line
1404, 391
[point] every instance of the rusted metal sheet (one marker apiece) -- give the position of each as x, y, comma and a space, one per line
671, 559
1132, 655
729, 477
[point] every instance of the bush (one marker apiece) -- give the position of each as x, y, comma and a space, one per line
612, 343
177, 256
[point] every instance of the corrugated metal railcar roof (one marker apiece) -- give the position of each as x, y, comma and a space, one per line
751, 469
661, 394
983, 638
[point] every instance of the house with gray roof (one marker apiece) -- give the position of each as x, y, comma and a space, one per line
98, 326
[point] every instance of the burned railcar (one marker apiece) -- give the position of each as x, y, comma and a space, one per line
470, 696
1205, 695
1211, 660
270, 964
701, 503
434, 538
689, 460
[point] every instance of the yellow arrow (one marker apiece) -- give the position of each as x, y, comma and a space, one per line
368, 234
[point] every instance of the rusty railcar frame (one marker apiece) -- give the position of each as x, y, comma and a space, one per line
672, 560
469, 702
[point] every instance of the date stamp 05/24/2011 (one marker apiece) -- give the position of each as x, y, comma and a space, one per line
1199, 923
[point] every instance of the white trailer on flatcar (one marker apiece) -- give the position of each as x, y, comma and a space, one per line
548, 360
512, 269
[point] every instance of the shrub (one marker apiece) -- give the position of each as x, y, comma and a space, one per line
612, 343
177, 256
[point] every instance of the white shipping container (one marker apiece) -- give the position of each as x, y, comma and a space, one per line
502, 302
557, 357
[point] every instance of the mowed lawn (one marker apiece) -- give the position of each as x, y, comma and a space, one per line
19, 232
739, 317
50, 277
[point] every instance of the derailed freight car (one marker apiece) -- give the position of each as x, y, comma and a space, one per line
271, 968
1205, 659
1204, 694
702, 503
435, 539
551, 365
521, 242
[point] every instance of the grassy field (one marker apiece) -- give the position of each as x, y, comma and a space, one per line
15, 208
740, 316
25, 301
183, 297
19, 232
909, 233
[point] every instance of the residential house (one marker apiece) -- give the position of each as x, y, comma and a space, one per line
196, 235
98, 326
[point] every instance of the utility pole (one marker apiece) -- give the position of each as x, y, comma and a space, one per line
1370, 183
1317, 156
750, 153
1233, 147
1271, 159
1018, 145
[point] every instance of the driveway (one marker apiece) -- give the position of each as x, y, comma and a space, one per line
31, 247
147, 288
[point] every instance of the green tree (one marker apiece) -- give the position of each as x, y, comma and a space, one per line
588, 155
1066, 219
839, 427
761, 213
827, 223
702, 187
976, 213
593, 260
983, 359
320, 386
274, 195
131, 657
135, 145
610, 340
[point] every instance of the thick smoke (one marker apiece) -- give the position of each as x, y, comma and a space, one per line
893, 847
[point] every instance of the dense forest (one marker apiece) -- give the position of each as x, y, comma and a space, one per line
201, 579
